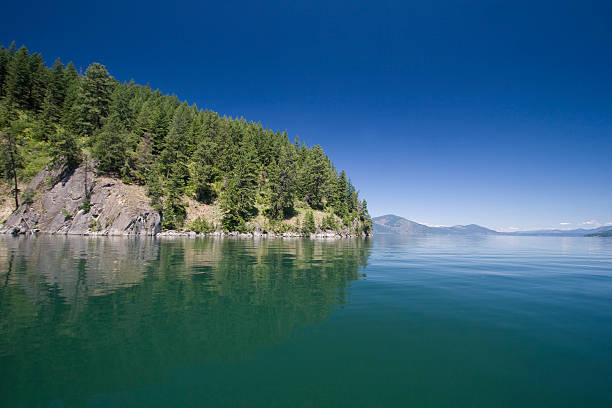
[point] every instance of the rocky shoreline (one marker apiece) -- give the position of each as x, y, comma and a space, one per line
79, 202
316, 235
189, 234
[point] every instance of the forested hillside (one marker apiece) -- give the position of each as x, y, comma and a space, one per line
59, 117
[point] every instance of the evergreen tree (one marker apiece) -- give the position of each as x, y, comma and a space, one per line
11, 159
309, 223
315, 174
139, 162
37, 86
12, 49
238, 197
203, 172
53, 102
171, 148
109, 146
340, 196
282, 184
94, 100
18, 79
120, 105
175, 148
70, 114
174, 212
365, 218
64, 149
5, 58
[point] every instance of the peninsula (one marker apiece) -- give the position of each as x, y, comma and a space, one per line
87, 154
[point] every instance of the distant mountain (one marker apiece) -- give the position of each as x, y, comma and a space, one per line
606, 233
393, 224
580, 232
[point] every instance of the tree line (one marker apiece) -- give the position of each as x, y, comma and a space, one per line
58, 116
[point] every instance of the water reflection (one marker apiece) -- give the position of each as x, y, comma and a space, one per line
81, 316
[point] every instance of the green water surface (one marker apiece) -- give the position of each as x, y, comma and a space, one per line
381, 322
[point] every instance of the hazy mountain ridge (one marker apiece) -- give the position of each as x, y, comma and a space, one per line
393, 224
579, 232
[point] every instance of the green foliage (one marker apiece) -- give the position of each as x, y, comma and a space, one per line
173, 213
54, 115
329, 222
203, 172
238, 197
93, 100
309, 223
64, 149
17, 82
315, 177
282, 184
95, 226
12, 158
109, 148
86, 206
280, 227
66, 214
28, 196
201, 226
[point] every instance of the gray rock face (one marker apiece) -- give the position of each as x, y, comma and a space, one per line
57, 208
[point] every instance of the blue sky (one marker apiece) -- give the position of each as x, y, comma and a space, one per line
445, 112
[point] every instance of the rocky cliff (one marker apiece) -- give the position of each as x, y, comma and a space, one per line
57, 204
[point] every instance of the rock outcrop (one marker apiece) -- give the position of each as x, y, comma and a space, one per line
58, 205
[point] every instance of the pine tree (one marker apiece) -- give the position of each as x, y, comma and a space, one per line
109, 146
64, 149
38, 80
53, 102
12, 161
309, 223
11, 158
171, 148
315, 173
282, 184
175, 146
12, 49
238, 197
174, 157
340, 195
203, 172
365, 218
72, 84
139, 162
120, 105
17, 85
94, 100
5, 58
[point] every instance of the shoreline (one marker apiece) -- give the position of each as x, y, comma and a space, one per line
193, 234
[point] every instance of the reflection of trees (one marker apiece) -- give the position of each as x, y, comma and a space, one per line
164, 305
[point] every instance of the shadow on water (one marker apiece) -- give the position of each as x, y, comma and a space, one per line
82, 316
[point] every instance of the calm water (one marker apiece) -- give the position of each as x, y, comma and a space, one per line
434, 322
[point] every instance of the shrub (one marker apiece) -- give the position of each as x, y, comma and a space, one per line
94, 225
329, 222
309, 223
28, 197
280, 227
66, 214
86, 206
201, 226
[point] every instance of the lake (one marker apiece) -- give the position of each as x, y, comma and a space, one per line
486, 321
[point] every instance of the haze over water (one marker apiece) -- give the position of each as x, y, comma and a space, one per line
429, 321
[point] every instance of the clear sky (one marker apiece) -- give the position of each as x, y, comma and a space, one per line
445, 112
